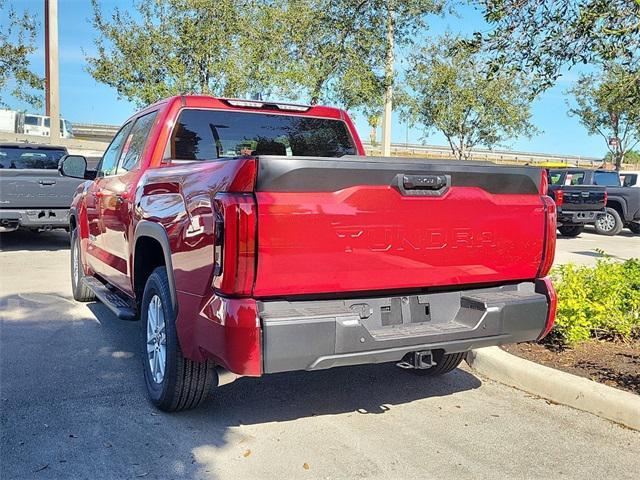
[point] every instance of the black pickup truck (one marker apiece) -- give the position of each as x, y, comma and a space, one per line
577, 205
623, 203
33, 194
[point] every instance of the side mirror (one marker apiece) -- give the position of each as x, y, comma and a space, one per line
74, 166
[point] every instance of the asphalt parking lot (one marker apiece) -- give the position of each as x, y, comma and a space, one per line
73, 404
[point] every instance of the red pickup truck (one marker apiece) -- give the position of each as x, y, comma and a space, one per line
255, 237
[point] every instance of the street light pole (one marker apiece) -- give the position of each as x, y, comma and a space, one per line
52, 81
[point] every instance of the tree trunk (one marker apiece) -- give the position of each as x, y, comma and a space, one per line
388, 80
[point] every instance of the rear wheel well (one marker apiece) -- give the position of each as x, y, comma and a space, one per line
617, 206
148, 256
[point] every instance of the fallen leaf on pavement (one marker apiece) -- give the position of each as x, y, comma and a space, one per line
305, 466
247, 453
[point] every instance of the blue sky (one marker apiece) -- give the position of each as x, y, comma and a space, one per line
85, 100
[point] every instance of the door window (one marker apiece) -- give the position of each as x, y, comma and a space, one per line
31, 120
109, 160
136, 140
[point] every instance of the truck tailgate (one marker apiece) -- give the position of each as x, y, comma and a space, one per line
35, 188
579, 197
371, 224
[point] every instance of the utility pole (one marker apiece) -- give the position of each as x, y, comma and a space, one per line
52, 79
388, 76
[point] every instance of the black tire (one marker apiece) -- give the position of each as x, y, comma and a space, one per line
635, 228
609, 224
570, 230
445, 363
184, 384
81, 292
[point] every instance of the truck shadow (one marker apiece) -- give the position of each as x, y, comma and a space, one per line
25, 240
73, 397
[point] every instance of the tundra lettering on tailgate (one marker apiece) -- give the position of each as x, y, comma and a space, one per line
385, 238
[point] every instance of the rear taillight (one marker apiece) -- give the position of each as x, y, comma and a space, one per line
544, 183
606, 197
544, 285
234, 243
559, 197
550, 226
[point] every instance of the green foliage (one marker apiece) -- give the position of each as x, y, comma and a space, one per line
17, 35
605, 107
540, 37
600, 301
452, 91
330, 51
632, 156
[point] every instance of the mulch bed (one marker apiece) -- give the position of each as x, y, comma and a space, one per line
616, 364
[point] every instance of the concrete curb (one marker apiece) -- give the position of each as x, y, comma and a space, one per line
560, 387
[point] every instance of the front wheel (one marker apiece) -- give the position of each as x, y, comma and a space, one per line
570, 230
610, 223
173, 382
81, 292
445, 363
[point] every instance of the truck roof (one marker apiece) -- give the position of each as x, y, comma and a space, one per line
272, 106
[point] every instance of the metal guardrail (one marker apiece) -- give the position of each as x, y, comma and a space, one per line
96, 137
102, 132
74, 145
482, 154
94, 131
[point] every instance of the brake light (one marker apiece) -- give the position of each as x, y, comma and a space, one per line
549, 244
559, 198
544, 183
234, 243
544, 285
292, 107
606, 197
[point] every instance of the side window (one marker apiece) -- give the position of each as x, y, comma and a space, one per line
109, 160
607, 179
136, 140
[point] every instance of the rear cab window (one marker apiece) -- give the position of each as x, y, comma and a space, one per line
556, 177
202, 134
36, 158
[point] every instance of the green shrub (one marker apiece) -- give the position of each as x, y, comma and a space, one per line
600, 301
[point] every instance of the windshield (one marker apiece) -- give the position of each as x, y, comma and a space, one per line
20, 158
211, 134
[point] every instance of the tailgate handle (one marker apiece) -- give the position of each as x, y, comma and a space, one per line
424, 185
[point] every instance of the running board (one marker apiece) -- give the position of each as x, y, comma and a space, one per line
112, 300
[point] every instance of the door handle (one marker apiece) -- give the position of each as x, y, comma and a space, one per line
47, 182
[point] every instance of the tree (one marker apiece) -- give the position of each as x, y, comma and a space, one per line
16, 44
182, 46
334, 51
605, 107
540, 37
631, 156
451, 90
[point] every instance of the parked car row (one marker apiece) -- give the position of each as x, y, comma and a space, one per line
608, 200
33, 195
